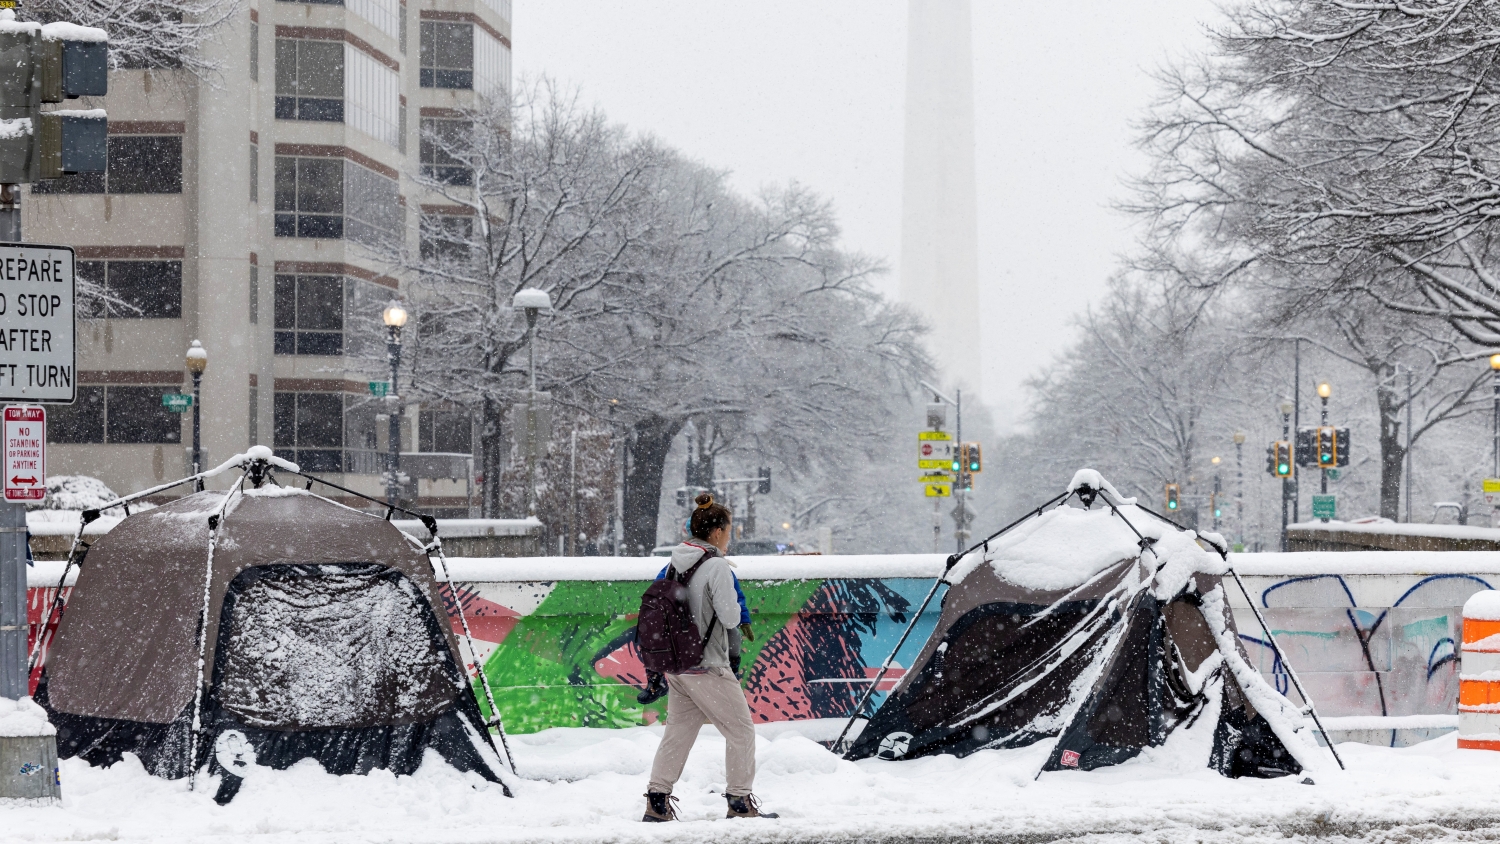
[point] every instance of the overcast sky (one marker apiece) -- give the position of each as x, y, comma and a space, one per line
812, 90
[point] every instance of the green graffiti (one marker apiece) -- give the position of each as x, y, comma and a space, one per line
543, 674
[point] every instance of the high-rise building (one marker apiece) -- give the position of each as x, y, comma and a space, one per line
939, 236
240, 209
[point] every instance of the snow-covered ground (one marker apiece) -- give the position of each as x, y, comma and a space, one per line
585, 785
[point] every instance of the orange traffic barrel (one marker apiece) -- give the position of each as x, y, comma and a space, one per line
1479, 677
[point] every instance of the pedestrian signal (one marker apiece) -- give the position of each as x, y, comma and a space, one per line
1173, 496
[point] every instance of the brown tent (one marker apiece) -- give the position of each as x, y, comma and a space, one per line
1101, 625
324, 638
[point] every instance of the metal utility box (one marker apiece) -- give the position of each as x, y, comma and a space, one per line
28, 770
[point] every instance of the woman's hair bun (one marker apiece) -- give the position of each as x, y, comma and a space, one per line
705, 499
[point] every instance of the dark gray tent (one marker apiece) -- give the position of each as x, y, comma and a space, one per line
323, 637
1100, 624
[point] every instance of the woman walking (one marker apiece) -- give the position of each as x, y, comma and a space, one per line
708, 692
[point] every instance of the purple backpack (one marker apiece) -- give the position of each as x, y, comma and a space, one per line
665, 632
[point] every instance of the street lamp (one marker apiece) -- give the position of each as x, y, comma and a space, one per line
197, 362
394, 317
534, 302
1494, 367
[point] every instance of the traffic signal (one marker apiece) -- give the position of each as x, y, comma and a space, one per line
966, 481
765, 480
1282, 463
49, 64
971, 459
1173, 493
1341, 457
1306, 451
1213, 500
1328, 447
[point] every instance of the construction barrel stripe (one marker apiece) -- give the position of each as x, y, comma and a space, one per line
1479, 680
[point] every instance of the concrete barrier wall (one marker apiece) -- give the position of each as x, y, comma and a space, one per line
1372, 635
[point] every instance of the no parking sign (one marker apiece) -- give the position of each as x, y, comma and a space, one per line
25, 453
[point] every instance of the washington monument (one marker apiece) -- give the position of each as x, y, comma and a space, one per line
939, 238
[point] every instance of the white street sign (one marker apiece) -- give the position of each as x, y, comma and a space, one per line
37, 361
25, 453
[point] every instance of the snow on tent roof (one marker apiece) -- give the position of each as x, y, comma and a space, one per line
1065, 546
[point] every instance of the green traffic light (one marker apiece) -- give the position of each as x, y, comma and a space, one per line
973, 467
1218, 512
955, 465
1171, 505
1281, 469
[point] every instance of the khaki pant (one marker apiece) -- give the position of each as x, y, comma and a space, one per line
716, 698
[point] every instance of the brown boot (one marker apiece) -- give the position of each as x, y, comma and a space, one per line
746, 807
659, 808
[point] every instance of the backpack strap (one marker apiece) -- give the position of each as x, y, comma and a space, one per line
683, 577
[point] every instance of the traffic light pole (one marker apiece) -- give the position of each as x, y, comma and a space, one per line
1287, 482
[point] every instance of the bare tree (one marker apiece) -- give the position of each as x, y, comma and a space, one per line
145, 33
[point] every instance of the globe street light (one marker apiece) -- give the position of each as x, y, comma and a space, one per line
394, 317
533, 302
196, 363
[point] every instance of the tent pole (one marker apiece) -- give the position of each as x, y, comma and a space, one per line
215, 522
57, 600
484, 680
952, 561
1276, 649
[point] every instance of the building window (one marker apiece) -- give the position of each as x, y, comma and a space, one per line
134, 289
491, 65
309, 315
116, 414
402, 38
309, 80
254, 416
447, 240
254, 173
309, 429
309, 197
313, 193
372, 95
440, 138
444, 431
384, 14
135, 164
447, 55
254, 51
254, 294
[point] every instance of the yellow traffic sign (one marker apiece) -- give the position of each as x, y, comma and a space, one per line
934, 436
934, 450
936, 478
939, 490
1490, 485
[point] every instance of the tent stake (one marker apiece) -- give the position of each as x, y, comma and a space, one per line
942, 578
1276, 649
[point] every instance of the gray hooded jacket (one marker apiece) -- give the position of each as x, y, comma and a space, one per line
710, 593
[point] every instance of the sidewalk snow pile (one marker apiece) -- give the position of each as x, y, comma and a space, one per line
23, 717
585, 785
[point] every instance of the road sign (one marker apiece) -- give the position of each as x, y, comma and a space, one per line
37, 361
939, 490
1333, 474
25, 453
934, 450
936, 478
176, 402
1491, 489
1324, 507
379, 389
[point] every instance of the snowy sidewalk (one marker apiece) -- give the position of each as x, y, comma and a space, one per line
585, 785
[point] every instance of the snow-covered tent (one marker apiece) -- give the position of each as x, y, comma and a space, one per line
1098, 623
262, 625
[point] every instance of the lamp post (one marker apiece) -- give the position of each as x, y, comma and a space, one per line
1324, 391
1239, 482
1287, 484
1495, 368
533, 302
197, 362
394, 317
1218, 490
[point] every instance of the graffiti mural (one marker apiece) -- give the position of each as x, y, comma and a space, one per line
562, 653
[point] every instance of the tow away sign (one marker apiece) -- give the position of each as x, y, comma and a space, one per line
25, 453
36, 324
